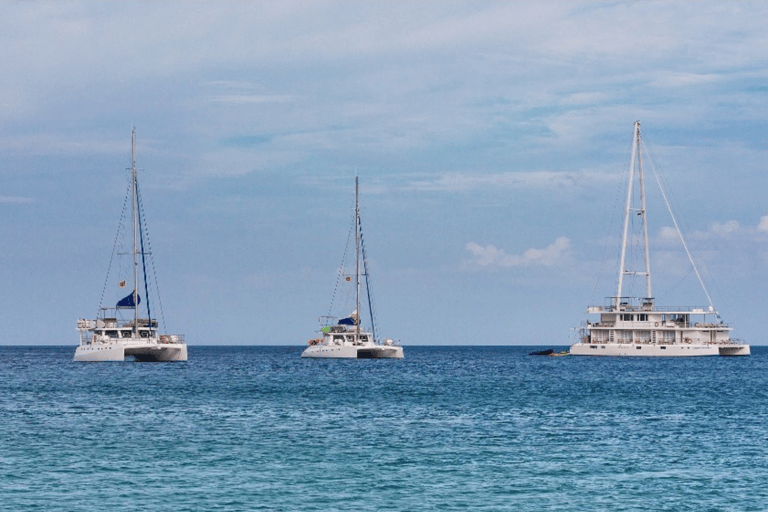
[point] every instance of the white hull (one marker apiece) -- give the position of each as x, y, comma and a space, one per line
657, 350
354, 352
143, 350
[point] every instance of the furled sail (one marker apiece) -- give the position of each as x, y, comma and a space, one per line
128, 303
352, 319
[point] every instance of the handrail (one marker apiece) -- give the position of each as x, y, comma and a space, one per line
697, 310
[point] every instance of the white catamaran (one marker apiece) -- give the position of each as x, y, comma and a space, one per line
111, 337
636, 326
346, 338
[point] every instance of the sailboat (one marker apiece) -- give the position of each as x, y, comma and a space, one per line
345, 337
121, 330
636, 326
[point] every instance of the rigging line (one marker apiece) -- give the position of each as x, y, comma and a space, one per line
686, 229
143, 256
680, 234
635, 252
616, 199
367, 282
152, 263
662, 298
341, 270
114, 247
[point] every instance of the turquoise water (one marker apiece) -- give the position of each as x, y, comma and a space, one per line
448, 428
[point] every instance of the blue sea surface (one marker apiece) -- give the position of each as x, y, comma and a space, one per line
448, 428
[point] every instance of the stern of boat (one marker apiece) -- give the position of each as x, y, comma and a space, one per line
734, 350
393, 352
160, 353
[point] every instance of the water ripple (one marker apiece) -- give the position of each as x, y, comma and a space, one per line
481, 428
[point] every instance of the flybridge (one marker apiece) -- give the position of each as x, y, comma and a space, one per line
645, 304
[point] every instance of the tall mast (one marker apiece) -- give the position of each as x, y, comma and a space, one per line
135, 209
357, 259
648, 294
636, 153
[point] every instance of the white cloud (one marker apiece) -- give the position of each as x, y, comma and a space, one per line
668, 233
15, 200
464, 182
726, 228
253, 98
491, 256
675, 79
763, 225
84, 143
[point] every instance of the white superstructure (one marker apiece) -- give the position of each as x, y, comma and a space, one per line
116, 334
345, 338
636, 326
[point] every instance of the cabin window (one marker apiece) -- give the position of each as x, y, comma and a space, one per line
111, 334
638, 348
663, 348
626, 317
592, 346
642, 317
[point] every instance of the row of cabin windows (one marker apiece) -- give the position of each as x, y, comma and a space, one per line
349, 338
626, 317
637, 347
643, 317
126, 334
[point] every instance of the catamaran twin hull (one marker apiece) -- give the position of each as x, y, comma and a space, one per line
141, 351
655, 350
352, 352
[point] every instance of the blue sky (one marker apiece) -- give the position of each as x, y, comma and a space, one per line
490, 139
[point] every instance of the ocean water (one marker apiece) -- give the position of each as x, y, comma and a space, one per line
448, 428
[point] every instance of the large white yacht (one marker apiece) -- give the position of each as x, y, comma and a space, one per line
120, 331
636, 326
345, 337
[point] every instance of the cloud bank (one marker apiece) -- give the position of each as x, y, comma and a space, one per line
492, 257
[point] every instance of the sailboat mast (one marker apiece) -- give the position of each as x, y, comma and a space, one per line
636, 154
135, 211
622, 260
647, 255
357, 259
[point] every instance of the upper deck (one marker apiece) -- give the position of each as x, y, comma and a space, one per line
646, 305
